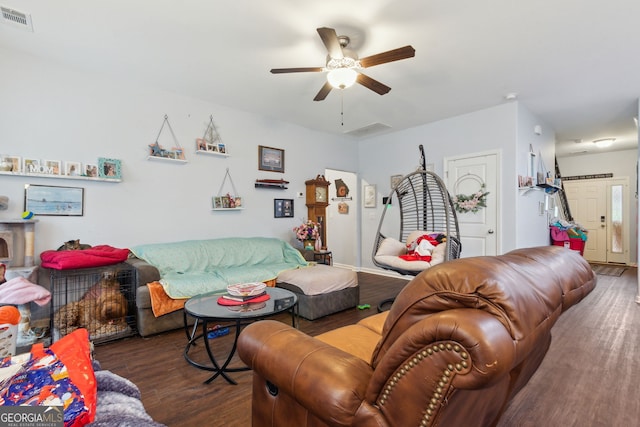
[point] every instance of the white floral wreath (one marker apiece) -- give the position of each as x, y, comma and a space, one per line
473, 202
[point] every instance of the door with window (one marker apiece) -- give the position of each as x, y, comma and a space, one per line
601, 206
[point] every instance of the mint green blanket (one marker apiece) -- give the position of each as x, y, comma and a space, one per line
196, 267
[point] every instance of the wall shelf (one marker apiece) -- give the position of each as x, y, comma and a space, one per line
547, 188
273, 186
212, 153
227, 209
166, 159
44, 175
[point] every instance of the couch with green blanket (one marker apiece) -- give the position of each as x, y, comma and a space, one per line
188, 268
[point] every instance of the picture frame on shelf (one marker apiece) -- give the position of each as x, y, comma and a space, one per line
270, 159
91, 170
369, 195
30, 165
226, 202
51, 200
217, 202
283, 208
213, 148
14, 163
73, 168
109, 168
222, 148
51, 167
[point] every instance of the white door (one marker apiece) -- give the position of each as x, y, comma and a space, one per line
600, 206
468, 175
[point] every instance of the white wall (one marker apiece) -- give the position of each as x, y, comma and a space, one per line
620, 164
57, 113
530, 222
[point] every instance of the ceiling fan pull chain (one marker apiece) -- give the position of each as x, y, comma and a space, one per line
342, 107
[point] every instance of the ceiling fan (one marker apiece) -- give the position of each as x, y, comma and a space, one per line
343, 65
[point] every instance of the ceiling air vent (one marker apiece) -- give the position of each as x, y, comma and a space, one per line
368, 130
16, 19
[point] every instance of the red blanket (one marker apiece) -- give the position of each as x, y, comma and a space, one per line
96, 256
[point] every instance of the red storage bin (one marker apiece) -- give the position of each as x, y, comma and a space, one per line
573, 244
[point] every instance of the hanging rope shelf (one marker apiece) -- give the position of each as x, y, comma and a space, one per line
211, 142
157, 152
229, 200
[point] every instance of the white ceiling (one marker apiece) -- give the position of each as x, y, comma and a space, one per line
575, 64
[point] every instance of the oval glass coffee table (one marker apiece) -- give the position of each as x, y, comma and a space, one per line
206, 310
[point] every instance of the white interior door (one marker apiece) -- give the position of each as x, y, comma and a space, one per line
465, 175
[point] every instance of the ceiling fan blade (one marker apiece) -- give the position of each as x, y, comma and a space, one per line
388, 56
323, 92
372, 84
331, 42
296, 70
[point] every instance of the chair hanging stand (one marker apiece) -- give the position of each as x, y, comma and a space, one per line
424, 205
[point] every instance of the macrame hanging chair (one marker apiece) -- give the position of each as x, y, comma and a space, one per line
418, 204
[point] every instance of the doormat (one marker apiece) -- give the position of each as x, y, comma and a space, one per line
608, 270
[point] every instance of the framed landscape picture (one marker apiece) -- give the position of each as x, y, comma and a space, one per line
54, 201
270, 159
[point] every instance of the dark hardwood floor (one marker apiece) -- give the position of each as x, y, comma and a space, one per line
173, 391
589, 377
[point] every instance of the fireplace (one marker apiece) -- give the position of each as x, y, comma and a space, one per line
16, 242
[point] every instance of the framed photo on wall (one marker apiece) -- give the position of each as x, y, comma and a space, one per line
54, 201
270, 159
395, 180
283, 208
369, 196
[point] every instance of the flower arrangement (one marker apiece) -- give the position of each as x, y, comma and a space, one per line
471, 203
308, 230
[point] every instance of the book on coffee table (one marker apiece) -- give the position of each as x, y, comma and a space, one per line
244, 298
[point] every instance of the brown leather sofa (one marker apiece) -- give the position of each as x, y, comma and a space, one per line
460, 340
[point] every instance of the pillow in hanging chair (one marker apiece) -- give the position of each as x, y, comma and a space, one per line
391, 246
390, 250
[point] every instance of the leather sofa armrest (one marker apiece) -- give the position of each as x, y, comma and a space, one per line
145, 272
327, 381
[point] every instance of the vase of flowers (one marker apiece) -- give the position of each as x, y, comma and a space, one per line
308, 232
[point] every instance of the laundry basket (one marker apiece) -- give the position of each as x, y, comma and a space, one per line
9, 319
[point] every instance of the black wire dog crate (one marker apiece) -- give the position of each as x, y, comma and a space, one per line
100, 299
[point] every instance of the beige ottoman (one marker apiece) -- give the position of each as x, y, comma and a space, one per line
321, 289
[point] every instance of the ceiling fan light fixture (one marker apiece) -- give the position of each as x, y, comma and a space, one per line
604, 142
342, 78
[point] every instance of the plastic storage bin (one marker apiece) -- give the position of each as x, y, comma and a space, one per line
573, 244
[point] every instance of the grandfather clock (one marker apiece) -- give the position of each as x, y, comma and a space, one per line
317, 202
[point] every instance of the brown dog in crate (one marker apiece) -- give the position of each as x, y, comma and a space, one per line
102, 310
